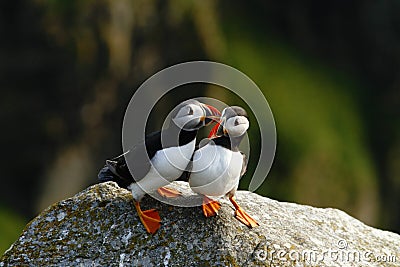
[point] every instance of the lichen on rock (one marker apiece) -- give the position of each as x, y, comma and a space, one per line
99, 227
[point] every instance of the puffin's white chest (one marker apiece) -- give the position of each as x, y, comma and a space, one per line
216, 170
172, 161
167, 165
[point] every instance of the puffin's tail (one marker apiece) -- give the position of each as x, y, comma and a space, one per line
109, 174
106, 175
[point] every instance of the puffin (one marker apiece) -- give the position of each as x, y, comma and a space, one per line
160, 159
218, 165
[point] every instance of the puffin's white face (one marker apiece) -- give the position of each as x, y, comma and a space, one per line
190, 117
236, 126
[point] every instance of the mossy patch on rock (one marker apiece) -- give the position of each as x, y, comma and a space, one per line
99, 227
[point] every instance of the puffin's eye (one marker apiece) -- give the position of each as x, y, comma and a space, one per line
190, 111
236, 122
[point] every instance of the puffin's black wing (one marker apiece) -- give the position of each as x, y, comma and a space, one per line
140, 156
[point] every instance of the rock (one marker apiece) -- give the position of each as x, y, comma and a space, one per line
99, 227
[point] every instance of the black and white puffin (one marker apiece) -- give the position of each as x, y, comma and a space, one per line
218, 165
161, 158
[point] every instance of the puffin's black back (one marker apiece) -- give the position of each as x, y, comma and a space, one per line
117, 170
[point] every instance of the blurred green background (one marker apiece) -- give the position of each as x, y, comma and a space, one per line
330, 71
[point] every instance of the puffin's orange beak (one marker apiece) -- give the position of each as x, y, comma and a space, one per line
214, 130
212, 114
214, 111
216, 118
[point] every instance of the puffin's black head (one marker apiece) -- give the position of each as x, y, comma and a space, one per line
233, 122
192, 115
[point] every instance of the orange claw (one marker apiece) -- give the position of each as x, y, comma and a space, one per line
150, 218
242, 216
168, 192
210, 207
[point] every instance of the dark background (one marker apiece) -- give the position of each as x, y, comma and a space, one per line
330, 71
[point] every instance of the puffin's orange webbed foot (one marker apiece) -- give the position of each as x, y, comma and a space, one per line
150, 218
245, 218
242, 216
168, 192
210, 207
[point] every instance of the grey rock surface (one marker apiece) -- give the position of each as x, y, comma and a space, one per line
100, 227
